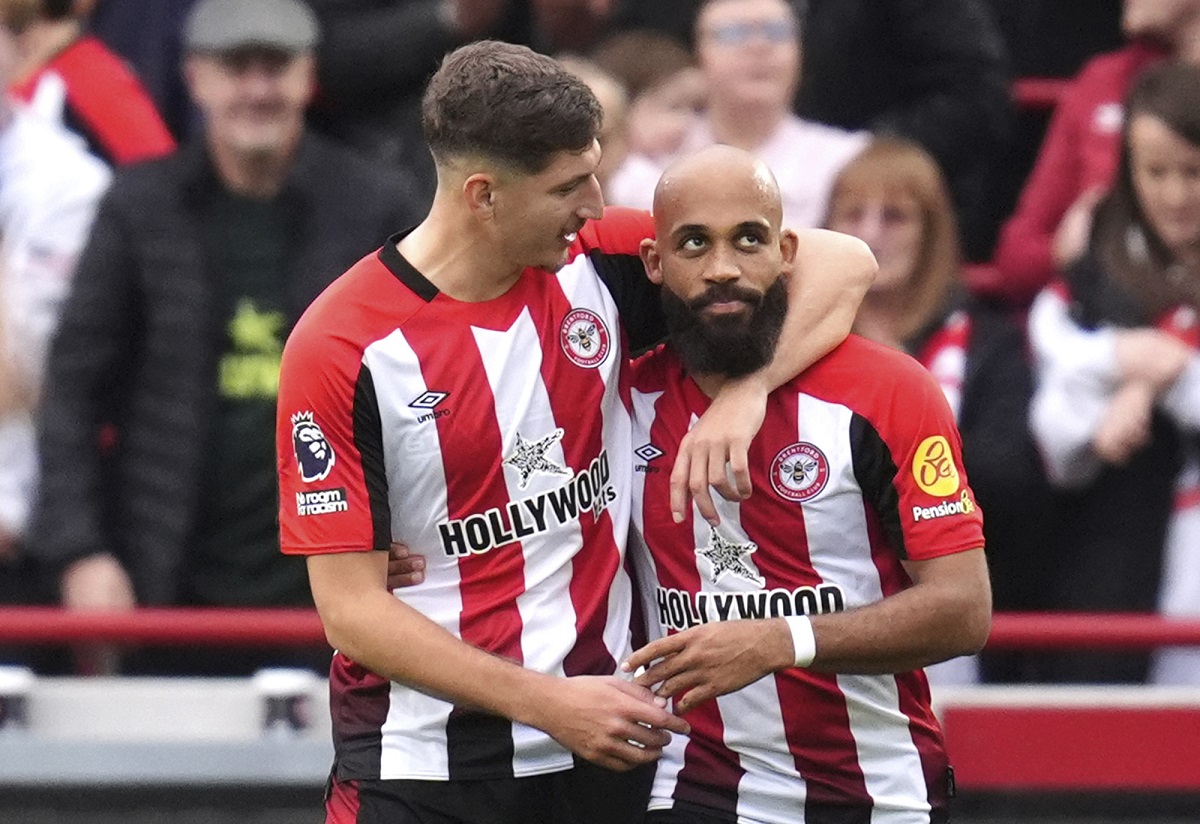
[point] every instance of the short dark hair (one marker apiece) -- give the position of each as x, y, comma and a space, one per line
509, 104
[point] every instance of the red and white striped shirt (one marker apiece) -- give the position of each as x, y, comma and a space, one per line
492, 438
857, 467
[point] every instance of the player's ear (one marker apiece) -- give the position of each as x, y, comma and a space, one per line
479, 191
651, 260
788, 244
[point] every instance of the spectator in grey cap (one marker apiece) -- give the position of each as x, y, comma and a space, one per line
197, 266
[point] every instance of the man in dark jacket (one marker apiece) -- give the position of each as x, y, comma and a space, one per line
197, 267
934, 71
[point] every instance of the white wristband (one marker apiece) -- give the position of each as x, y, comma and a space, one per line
804, 642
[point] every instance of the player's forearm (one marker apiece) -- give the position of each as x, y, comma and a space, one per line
395, 641
832, 274
922, 625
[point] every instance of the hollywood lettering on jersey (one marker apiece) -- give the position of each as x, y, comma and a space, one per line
680, 610
587, 491
322, 501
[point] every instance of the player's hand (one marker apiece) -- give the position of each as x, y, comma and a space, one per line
608, 721
405, 568
703, 662
714, 453
1125, 426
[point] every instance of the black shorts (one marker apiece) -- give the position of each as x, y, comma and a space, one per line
586, 794
684, 813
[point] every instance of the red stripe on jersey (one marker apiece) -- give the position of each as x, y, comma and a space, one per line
491, 582
912, 687
572, 389
342, 802
815, 720
711, 771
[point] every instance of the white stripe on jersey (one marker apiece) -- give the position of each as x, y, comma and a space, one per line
840, 551
581, 286
419, 452
546, 617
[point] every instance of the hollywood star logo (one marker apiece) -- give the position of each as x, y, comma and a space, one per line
530, 457
729, 557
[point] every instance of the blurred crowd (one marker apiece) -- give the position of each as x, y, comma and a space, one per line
180, 178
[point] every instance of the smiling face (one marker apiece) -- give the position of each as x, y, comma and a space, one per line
534, 218
1165, 169
721, 257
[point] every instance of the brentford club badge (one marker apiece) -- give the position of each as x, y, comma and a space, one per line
799, 472
584, 338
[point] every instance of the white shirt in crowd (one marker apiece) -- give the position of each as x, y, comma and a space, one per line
50, 187
804, 156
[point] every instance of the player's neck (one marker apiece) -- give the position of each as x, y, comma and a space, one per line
447, 249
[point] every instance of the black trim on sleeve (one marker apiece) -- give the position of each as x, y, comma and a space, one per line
636, 297
368, 439
875, 470
404, 271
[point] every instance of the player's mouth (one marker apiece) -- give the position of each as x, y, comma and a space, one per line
726, 307
569, 237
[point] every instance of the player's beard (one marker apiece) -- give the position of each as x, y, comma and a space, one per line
730, 345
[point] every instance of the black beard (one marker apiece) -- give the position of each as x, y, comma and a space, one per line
727, 345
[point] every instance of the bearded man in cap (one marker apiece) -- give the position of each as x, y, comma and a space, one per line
170, 342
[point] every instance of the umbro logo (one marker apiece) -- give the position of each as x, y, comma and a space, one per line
427, 403
648, 452
429, 400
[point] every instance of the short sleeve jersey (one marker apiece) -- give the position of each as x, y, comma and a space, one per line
857, 467
492, 438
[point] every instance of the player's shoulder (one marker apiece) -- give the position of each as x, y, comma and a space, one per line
365, 303
865, 375
858, 354
620, 232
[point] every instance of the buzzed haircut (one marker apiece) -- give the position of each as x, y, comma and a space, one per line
508, 104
